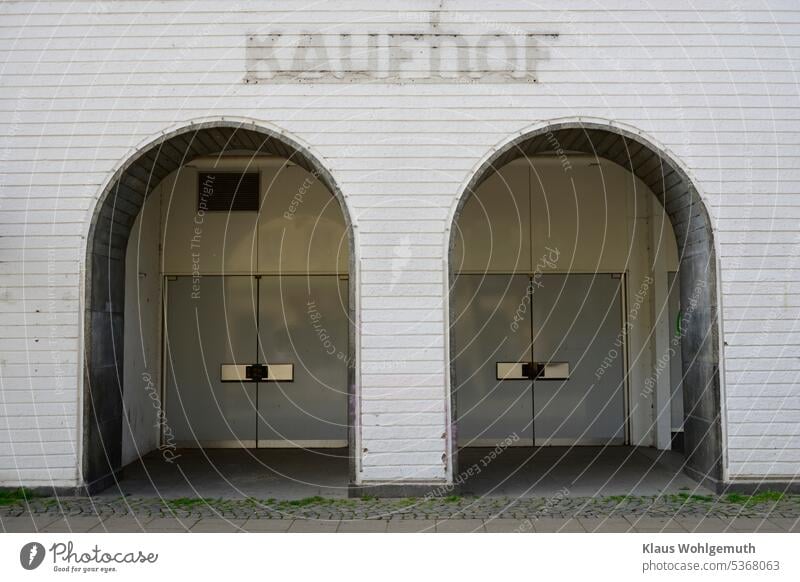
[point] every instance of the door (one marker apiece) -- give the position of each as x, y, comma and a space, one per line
256, 361
507, 327
492, 325
303, 321
577, 319
209, 322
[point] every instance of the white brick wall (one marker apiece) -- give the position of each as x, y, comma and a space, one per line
83, 83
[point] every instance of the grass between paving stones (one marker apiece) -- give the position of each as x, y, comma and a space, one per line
616, 498
187, 502
758, 498
315, 501
16, 496
17, 500
430, 504
687, 498
691, 499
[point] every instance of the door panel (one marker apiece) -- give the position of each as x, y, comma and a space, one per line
209, 322
492, 324
303, 321
577, 319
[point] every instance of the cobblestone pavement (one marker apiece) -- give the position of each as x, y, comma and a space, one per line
681, 512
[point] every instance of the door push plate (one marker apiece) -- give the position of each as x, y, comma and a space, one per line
553, 371
513, 371
257, 372
532, 371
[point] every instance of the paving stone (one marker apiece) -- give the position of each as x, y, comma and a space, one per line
508, 525
657, 525
119, 524
704, 524
314, 526
754, 524
28, 523
554, 525
218, 525
605, 524
363, 526
790, 524
674, 513
170, 524
268, 525
411, 526
460, 526
78, 524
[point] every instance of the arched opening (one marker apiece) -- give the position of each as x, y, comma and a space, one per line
583, 317
218, 314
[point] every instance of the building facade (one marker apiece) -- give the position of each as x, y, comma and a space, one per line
417, 173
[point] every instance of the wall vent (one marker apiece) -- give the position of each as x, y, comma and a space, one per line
226, 191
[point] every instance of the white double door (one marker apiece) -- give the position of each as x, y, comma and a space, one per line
568, 318
217, 322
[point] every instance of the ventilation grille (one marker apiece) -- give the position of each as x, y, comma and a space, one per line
225, 191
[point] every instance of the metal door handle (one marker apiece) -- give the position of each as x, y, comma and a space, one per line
256, 372
531, 370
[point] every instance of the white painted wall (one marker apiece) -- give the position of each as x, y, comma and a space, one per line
83, 84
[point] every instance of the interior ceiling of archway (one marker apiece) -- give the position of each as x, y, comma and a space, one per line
646, 164
680, 200
128, 193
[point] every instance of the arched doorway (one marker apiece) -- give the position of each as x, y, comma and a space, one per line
544, 304
261, 186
